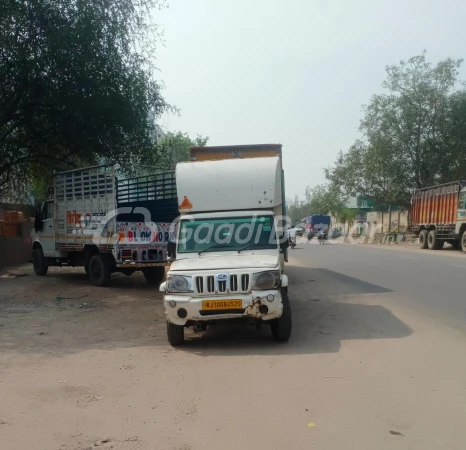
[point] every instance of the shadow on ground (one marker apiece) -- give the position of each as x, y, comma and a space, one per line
328, 307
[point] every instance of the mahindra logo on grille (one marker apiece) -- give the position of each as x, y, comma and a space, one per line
222, 277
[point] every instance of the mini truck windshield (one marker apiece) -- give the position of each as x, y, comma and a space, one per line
227, 234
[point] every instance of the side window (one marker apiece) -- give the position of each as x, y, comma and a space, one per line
461, 201
47, 213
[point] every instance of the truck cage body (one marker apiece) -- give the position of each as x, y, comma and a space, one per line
88, 202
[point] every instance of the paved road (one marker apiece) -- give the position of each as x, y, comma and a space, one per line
430, 284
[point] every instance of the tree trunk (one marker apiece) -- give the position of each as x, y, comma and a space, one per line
389, 218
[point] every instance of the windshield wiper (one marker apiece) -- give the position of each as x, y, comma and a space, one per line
214, 246
258, 246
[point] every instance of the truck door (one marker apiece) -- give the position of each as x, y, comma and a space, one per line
47, 235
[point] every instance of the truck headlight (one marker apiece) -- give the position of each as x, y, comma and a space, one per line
179, 283
266, 280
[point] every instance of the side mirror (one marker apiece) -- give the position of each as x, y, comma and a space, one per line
284, 244
171, 249
38, 223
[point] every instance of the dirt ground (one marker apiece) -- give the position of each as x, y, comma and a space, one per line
90, 368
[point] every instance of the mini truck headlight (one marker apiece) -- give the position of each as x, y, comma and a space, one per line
266, 280
179, 283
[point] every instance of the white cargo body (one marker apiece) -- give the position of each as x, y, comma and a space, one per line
230, 246
94, 220
231, 185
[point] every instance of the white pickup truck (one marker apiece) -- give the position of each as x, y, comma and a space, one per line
106, 225
228, 259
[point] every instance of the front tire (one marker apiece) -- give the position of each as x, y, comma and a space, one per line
99, 269
175, 334
154, 275
39, 262
423, 239
463, 242
281, 327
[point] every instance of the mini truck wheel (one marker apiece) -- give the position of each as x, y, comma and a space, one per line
463, 242
39, 262
281, 327
99, 269
175, 334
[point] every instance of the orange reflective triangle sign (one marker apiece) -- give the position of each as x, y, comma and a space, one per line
186, 204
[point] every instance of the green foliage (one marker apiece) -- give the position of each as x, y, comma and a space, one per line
321, 199
170, 150
324, 199
411, 137
346, 215
77, 84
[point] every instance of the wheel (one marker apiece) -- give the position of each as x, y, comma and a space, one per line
154, 275
432, 242
423, 239
175, 334
281, 327
99, 269
463, 242
39, 262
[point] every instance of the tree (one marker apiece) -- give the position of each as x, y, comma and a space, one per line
172, 149
411, 137
77, 84
321, 199
456, 136
325, 199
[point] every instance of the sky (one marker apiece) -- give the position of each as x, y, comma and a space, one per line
294, 72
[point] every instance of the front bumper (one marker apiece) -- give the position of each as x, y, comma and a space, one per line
251, 307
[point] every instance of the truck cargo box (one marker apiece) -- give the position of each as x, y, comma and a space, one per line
235, 152
436, 205
318, 221
230, 185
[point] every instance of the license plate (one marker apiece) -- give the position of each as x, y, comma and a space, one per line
221, 304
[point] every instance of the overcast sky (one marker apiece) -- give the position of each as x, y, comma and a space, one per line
293, 72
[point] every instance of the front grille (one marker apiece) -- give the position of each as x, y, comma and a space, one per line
210, 285
222, 286
245, 282
234, 283
200, 284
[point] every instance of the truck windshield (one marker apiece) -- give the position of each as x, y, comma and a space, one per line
227, 234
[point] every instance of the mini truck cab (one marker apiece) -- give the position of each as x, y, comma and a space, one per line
230, 247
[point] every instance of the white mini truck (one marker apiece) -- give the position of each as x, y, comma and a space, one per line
228, 258
94, 220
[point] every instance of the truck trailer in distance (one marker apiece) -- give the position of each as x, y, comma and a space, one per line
317, 222
438, 215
